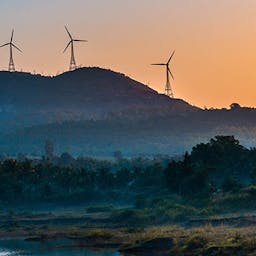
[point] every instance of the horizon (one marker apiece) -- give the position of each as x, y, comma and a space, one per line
214, 43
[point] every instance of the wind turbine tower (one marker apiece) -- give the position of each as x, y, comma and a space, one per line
73, 65
168, 88
11, 67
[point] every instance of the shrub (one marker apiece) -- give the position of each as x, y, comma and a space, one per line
196, 242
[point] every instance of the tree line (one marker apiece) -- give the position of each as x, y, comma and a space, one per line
221, 165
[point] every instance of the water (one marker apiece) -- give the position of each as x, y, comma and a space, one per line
22, 248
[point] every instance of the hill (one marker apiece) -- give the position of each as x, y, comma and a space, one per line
169, 134
93, 111
83, 94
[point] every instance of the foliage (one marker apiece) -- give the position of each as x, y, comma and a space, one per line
213, 174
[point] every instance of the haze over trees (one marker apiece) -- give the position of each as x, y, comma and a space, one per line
212, 170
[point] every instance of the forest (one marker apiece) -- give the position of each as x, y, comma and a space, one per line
215, 177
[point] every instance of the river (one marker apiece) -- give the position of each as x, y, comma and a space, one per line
18, 247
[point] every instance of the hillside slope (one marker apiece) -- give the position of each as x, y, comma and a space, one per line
79, 95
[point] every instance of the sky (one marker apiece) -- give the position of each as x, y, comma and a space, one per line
215, 42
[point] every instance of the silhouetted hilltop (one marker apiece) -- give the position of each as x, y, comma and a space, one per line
82, 94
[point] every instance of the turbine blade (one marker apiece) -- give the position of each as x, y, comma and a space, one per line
68, 33
4, 44
171, 73
16, 47
67, 46
78, 40
12, 35
159, 64
171, 57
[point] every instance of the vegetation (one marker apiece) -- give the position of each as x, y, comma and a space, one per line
216, 177
155, 240
199, 203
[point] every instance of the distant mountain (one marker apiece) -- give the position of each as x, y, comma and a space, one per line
93, 111
83, 94
169, 134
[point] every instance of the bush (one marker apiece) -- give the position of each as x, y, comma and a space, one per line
196, 242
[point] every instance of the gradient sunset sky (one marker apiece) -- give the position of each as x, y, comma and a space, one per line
215, 42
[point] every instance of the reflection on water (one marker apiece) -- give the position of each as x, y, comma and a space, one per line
22, 248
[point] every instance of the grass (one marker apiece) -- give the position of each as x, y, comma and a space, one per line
206, 240
99, 233
130, 227
202, 240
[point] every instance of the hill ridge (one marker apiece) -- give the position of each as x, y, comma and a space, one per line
91, 82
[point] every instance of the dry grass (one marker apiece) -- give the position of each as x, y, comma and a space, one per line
195, 240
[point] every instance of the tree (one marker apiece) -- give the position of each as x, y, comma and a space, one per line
253, 176
118, 155
49, 149
235, 106
222, 153
66, 159
188, 178
123, 177
231, 184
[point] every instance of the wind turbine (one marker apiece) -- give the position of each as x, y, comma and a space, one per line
11, 44
71, 43
168, 88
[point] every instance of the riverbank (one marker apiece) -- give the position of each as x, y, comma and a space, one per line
223, 235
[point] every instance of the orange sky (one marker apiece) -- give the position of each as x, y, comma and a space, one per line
215, 42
